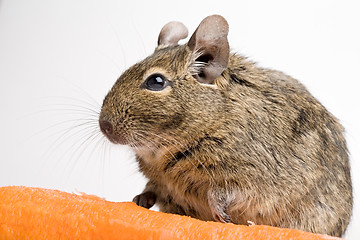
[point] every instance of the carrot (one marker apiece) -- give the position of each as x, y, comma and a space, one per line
36, 213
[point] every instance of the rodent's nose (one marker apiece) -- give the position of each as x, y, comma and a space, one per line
108, 130
106, 127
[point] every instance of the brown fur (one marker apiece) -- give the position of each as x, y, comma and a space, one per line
253, 146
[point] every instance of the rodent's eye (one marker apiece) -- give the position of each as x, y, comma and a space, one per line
156, 82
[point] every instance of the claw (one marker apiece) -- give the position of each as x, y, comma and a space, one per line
219, 202
222, 217
146, 199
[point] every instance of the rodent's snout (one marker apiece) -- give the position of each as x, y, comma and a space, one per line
107, 129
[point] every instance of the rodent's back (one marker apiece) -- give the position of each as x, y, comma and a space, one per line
290, 140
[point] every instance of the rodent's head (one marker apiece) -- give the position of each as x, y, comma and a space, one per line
171, 96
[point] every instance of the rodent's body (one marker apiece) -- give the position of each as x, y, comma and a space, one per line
253, 145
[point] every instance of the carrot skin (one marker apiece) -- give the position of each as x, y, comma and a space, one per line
37, 213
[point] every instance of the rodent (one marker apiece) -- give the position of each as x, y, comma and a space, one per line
220, 138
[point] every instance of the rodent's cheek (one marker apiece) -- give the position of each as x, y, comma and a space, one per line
174, 121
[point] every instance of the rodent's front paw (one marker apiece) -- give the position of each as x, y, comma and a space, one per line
146, 199
222, 217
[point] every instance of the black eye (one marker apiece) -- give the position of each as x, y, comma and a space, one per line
156, 82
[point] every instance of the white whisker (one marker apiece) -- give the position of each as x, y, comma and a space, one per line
181, 151
153, 143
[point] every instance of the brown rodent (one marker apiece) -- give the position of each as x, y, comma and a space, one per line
222, 139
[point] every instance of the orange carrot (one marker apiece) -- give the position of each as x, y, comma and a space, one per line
36, 213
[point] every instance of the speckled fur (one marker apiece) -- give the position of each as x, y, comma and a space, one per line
255, 146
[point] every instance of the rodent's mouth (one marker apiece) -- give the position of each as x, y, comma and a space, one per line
137, 140
122, 139
116, 140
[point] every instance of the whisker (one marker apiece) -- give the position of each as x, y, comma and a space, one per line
84, 109
140, 37
94, 103
176, 141
181, 151
79, 149
95, 106
89, 139
102, 141
60, 124
104, 146
154, 147
68, 133
67, 111
146, 142
78, 152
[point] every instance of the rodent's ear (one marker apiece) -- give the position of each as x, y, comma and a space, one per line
209, 43
171, 34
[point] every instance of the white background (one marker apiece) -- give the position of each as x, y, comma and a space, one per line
58, 59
